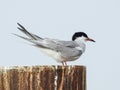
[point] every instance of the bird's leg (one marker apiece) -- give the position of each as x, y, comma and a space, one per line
65, 63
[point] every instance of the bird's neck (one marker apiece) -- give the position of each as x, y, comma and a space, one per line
81, 46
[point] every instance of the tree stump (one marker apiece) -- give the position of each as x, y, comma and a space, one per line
43, 78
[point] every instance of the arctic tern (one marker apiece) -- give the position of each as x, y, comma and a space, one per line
61, 51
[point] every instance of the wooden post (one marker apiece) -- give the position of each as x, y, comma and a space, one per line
43, 78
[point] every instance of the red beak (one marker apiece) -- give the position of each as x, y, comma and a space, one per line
89, 39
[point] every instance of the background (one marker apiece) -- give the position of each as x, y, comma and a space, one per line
59, 19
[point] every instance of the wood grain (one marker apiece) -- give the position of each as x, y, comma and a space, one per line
43, 78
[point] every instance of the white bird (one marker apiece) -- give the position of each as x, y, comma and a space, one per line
61, 51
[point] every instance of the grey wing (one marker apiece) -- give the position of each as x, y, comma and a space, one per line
66, 48
70, 53
65, 51
70, 44
54, 43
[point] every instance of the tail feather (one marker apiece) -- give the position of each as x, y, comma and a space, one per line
22, 37
30, 40
35, 42
30, 35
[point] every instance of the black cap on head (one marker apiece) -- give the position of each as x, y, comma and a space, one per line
79, 34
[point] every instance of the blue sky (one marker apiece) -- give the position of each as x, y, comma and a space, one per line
59, 20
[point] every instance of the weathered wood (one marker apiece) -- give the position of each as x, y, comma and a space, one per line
43, 78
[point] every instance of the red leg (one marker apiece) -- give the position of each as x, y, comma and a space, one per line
65, 63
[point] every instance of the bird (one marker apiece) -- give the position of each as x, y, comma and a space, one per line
60, 50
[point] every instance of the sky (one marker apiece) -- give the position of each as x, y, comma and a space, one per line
60, 19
